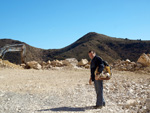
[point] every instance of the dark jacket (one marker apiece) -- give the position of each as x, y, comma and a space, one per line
96, 62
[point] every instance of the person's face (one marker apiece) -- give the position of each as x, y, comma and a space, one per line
91, 55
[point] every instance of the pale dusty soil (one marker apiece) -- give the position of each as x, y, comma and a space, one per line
67, 90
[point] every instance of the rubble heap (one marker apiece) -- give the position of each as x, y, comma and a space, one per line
69, 62
127, 65
142, 64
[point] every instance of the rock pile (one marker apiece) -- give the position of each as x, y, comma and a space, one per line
142, 64
127, 65
69, 62
44, 65
72, 61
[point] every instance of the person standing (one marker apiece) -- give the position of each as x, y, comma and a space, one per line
97, 62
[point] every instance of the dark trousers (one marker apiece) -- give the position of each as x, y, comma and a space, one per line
99, 91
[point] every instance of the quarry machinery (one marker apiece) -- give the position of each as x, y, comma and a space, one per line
13, 48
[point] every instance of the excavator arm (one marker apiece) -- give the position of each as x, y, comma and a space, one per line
13, 48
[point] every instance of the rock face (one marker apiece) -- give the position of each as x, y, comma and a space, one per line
144, 59
34, 65
83, 62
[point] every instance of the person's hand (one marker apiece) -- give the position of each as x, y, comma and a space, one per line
90, 81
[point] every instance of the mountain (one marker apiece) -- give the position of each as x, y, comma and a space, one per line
109, 48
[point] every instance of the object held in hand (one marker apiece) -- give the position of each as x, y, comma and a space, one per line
105, 75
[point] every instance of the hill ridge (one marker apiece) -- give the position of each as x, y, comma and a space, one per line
109, 48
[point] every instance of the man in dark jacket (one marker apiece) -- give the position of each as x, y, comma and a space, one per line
97, 62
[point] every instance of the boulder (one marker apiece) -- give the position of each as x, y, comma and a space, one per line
43, 63
23, 65
138, 66
144, 59
66, 63
57, 63
127, 61
46, 65
48, 62
72, 61
83, 62
148, 55
34, 65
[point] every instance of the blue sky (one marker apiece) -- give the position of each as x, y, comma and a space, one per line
50, 24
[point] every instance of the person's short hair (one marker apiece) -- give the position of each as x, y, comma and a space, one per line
91, 51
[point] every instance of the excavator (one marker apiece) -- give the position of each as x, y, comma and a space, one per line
13, 48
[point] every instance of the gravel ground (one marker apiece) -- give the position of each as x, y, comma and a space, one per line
67, 90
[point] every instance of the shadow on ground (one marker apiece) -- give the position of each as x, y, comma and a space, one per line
66, 109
